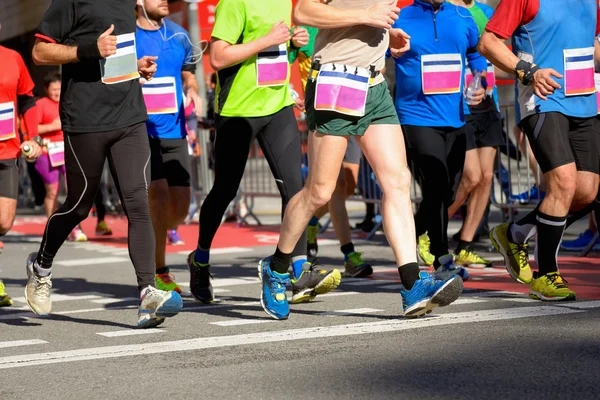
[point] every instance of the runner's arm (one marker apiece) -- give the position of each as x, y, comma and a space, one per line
47, 53
29, 111
224, 54
320, 15
57, 23
492, 47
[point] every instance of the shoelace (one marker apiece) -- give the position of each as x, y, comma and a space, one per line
521, 253
43, 286
200, 276
558, 281
167, 278
356, 259
277, 285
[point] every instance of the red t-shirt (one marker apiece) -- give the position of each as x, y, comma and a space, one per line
510, 14
14, 81
48, 113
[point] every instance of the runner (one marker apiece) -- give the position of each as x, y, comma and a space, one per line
484, 134
431, 108
169, 192
556, 103
349, 55
16, 97
103, 116
249, 52
354, 264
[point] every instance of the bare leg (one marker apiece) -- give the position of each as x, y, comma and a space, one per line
51, 199
383, 146
8, 210
338, 211
179, 204
480, 195
471, 177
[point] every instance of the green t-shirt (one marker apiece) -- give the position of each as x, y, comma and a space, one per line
481, 19
243, 21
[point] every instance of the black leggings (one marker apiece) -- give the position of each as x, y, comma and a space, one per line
279, 140
128, 157
436, 156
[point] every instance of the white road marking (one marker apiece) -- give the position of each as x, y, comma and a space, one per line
91, 261
343, 313
580, 305
130, 332
219, 290
365, 282
495, 293
224, 250
113, 300
236, 322
64, 297
335, 294
229, 282
19, 343
469, 301
391, 325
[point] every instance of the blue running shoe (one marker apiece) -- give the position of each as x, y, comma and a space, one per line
156, 305
580, 243
448, 268
534, 195
429, 293
272, 294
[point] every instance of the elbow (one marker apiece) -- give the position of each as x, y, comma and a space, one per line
216, 64
483, 47
36, 55
299, 16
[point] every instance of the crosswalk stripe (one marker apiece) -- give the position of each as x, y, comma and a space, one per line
91, 261
130, 332
19, 343
355, 311
112, 300
236, 322
217, 283
64, 297
388, 325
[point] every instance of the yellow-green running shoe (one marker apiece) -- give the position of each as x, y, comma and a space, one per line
550, 287
515, 255
423, 246
469, 258
5, 299
313, 282
166, 282
312, 247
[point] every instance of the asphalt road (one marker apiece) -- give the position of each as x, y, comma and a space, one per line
350, 344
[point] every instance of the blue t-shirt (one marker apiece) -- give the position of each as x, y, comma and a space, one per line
440, 42
174, 56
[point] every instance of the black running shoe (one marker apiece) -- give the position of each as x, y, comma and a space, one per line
313, 282
200, 277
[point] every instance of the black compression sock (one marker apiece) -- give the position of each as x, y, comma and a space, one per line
348, 248
409, 274
161, 271
463, 245
550, 230
281, 262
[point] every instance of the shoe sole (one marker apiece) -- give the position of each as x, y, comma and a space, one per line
329, 283
29, 303
200, 299
538, 296
500, 249
444, 296
262, 293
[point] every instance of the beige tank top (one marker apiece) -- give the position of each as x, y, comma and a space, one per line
359, 46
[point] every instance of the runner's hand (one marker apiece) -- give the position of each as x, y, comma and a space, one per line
300, 37
147, 67
56, 125
35, 152
477, 96
280, 33
300, 104
543, 84
107, 43
399, 42
382, 14
192, 96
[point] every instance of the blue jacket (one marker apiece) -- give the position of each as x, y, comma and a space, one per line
430, 76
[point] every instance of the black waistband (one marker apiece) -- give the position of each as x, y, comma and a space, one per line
316, 66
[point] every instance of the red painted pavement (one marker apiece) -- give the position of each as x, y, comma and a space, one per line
583, 274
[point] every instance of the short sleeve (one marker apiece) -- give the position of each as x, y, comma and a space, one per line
230, 18
26, 84
58, 21
510, 14
598, 20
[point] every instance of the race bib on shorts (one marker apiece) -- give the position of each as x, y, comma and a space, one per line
597, 82
160, 96
122, 66
579, 71
272, 66
56, 153
441, 73
490, 77
342, 89
7, 121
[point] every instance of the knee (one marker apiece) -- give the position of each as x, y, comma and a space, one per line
471, 179
562, 185
400, 182
319, 194
586, 193
486, 178
52, 192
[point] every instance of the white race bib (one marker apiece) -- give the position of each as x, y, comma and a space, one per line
122, 66
160, 96
579, 71
272, 66
7, 121
56, 153
441, 73
342, 89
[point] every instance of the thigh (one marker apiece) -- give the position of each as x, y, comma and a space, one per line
50, 175
455, 154
9, 179
176, 162
470, 132
85, 155
157, 171
487, 158
129, 159
584, 143
426, 148
548, 135
234, 136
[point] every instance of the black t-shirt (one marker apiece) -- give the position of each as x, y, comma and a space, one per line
87, 104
